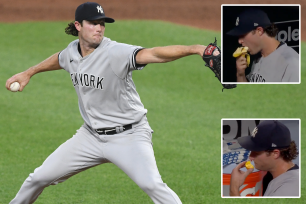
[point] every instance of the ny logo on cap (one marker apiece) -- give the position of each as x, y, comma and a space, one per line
237, 21
254, 132
255, 24
274, 145
100, 9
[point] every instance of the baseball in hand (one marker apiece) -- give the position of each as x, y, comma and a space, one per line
14, 86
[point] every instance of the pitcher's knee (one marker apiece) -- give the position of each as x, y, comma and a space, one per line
150, 185
39, 178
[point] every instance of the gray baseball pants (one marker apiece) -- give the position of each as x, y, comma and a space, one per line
130, 150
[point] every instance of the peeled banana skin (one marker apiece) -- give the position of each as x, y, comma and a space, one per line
242, 51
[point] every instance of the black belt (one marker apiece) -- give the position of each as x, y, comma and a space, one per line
112, 131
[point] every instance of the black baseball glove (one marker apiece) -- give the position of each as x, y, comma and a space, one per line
214, 62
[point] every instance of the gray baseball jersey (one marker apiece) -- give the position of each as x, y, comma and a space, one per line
287, 184
282, 65
103, 82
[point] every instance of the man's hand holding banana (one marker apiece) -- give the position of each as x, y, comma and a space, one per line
242, 59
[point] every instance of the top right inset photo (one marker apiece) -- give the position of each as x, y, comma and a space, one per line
261, 44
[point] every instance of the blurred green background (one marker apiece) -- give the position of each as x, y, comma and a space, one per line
185, 106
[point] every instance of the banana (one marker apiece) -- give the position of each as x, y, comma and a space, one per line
242, 51
239, 51
248, 165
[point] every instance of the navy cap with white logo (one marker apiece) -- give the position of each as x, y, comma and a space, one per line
268, 135
249, 20
91, 11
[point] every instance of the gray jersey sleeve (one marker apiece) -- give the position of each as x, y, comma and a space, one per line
61, 59
68, 55
124, 59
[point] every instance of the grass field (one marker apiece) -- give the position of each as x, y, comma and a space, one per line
185, 106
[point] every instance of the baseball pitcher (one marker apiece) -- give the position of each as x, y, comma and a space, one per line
115, 126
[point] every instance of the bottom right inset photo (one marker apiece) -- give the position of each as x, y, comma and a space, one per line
260, 158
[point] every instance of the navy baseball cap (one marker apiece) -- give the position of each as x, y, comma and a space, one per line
91, 11
249, 20
268, 135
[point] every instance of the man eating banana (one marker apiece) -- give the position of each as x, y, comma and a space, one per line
277, 62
